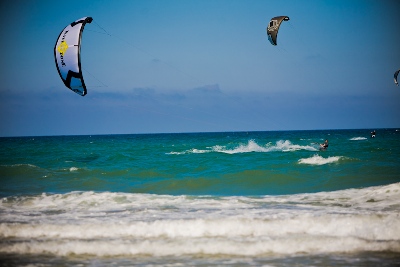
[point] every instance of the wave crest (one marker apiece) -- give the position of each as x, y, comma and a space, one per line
251, 146
318, 160
358, 138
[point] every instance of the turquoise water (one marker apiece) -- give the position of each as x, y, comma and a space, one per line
201, 199
255, 163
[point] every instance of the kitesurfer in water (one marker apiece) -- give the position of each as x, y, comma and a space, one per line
373, 134
324, 145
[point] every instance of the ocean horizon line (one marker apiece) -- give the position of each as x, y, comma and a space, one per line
202, 132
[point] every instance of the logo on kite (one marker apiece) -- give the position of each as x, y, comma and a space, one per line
62, 48
69, 64
273, 28
395, 77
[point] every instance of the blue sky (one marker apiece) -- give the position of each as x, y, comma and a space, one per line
200, 66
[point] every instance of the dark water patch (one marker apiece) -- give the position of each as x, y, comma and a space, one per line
364, 259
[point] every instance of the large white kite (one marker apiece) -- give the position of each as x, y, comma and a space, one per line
67, 55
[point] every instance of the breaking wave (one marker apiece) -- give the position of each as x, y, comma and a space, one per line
114, 224
318, 160
250, 146
358, 138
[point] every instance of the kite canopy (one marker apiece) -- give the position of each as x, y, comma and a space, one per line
395, 77
273, 28
67, 55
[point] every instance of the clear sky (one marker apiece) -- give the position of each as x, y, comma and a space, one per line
198, 66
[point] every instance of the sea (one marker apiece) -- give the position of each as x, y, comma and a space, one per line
201, 199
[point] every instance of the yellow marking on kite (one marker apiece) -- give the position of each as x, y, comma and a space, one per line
62, 48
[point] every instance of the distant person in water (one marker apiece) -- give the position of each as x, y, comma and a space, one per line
324, 145
373, 134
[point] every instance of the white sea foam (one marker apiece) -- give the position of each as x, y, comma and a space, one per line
250, 146
181, 247
378, 227
21, 165
318, 160
73, 169
231, 236
288, 146
111, 224
358, 138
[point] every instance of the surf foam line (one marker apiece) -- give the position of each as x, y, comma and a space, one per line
247, 238
113, 224
382, 227
108, 206
251, 146
319, 160
358, 138
110, 248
